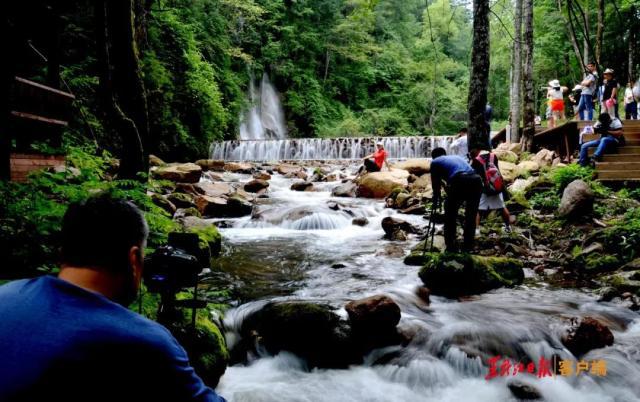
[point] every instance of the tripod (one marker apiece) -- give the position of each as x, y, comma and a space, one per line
431, 229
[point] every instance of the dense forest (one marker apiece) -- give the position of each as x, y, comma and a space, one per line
343, 68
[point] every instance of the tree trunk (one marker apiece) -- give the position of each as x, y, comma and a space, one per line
516, 76
631, 51
527, 77
572, 32
600, 31
121, 85
479, 80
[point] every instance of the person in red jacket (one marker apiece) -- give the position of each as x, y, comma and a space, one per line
374, 162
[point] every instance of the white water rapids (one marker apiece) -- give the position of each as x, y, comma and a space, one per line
287, 250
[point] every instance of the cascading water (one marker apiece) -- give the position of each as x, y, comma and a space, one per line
301, 245
325, 148
265, 118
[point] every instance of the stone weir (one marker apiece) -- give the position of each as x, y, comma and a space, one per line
326, 148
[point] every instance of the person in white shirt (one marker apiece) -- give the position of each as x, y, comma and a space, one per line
588, 88
630, 105
611, 136
555, 94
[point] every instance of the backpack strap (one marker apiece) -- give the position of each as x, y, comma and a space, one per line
492, 158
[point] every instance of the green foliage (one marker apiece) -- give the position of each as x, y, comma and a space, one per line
31, 213
546, 201
561, 177
622, 237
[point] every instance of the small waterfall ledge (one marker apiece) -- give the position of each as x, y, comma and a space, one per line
326, 148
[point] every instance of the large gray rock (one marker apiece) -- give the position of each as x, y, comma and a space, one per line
577, 200
544, 157
237, 167
415, 166
347, 189
302, 186
211, 164
178, 172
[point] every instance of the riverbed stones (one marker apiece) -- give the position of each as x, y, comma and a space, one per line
375, 313
211, 164
163, 203
527, 167
181, 200
544, 157
184, 212
220, 207
178, 172
417, 167
347, 189
262, 176
587, 334
577, 200
381, 184
302, 186
311, 331
362, 221
396, 229
238, 167
523, 391
285, 168
509, 171
217, 189
504, 155
419, 254
256, 185
457, 274
155, 161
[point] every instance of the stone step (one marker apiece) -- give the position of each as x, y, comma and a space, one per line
618, 166
619, 175
626, 150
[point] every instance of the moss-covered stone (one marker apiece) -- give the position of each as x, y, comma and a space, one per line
419, 255
312, 331
453, 274
210, 238
182, 200
623, 281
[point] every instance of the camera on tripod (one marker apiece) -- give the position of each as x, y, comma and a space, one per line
171, 268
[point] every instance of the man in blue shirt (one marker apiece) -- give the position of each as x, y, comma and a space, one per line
464, 186
71, 338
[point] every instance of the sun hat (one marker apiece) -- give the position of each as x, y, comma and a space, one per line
554, 83
577, 87
379, 143
608, 71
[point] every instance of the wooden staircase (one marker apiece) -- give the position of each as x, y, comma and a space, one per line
624, 165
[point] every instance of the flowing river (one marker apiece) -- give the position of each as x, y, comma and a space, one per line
298, 246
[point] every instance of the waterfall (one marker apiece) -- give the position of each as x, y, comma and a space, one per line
265, 118
326, 148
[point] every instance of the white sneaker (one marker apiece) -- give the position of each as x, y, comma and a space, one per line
477, 232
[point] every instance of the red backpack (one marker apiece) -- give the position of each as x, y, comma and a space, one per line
493, 181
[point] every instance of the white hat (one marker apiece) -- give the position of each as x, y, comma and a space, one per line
577, 87
379, 143
608, 71
554, 83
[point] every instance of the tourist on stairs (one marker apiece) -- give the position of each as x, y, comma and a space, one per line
630, 105
611, 136
72, 337
373, 162
463, 186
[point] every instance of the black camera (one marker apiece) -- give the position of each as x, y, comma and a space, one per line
173, 266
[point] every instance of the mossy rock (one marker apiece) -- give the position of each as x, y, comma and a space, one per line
206, 347
418, 256
623, 281
454, 274
210, 238
182, 200
311, 331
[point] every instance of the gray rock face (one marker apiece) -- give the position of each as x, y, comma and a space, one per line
345, 190
577, 200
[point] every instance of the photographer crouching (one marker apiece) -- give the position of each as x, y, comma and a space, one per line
611, 136
71, 338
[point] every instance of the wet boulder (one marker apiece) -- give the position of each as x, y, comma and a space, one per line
184, 212
416, 209
417, 167
178, 172
262, 176
419, 253
302, 186
211, 164
238, 167
577, 200
285, 169
392, 225
381, 184
523, 391
457, 274
587, 334
374, 320
214, 189
347, 189
311, 331
220, 207
360, 221
256, 185
504, 155
514, 147
182, 200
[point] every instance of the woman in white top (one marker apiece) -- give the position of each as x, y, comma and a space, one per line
555, 94
630, 105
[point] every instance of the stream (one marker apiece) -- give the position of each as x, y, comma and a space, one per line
298, 246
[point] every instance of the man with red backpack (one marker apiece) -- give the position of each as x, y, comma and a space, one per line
485, 163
